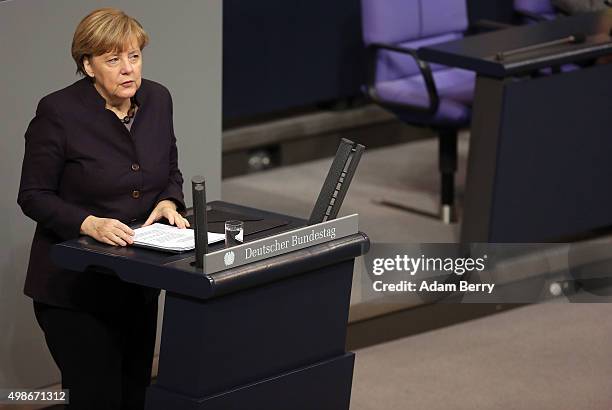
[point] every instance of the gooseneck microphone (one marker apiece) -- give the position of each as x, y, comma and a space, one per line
577, 38
198, 190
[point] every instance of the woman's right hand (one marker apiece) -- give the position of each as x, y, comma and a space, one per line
106, 230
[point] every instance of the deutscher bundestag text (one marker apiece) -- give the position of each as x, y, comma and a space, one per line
296, 240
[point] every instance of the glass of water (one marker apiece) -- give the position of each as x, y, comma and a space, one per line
234, 233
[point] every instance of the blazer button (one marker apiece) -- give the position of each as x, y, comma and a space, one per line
135, 167
135, 194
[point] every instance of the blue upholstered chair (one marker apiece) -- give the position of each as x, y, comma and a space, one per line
417, 92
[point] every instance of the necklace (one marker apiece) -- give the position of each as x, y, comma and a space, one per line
130, 114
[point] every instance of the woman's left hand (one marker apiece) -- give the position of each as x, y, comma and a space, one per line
167, 209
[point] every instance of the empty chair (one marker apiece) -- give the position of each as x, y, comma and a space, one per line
417, 92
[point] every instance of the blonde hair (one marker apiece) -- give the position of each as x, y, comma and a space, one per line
102, 31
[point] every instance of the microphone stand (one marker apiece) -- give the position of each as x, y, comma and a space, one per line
198, 190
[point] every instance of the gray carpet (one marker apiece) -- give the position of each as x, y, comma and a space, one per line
406, 172
550, 356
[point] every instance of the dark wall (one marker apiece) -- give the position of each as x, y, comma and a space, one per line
500, 10
280, 54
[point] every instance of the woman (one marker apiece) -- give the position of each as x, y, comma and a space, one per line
100, 154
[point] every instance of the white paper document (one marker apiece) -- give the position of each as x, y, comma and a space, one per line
170, 238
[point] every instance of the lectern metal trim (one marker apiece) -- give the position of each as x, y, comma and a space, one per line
280, 244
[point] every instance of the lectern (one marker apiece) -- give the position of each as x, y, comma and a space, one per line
268, 334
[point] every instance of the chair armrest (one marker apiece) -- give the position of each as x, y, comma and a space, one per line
424, 68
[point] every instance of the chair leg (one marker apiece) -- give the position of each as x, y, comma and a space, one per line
447, 160
448, 166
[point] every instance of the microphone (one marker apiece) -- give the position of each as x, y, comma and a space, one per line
577, 38
198, 190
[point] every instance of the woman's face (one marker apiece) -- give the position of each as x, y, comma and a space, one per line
117, 75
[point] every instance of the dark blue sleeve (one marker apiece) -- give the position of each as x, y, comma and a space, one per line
43, 164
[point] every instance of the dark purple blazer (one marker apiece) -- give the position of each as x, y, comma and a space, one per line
81, 160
